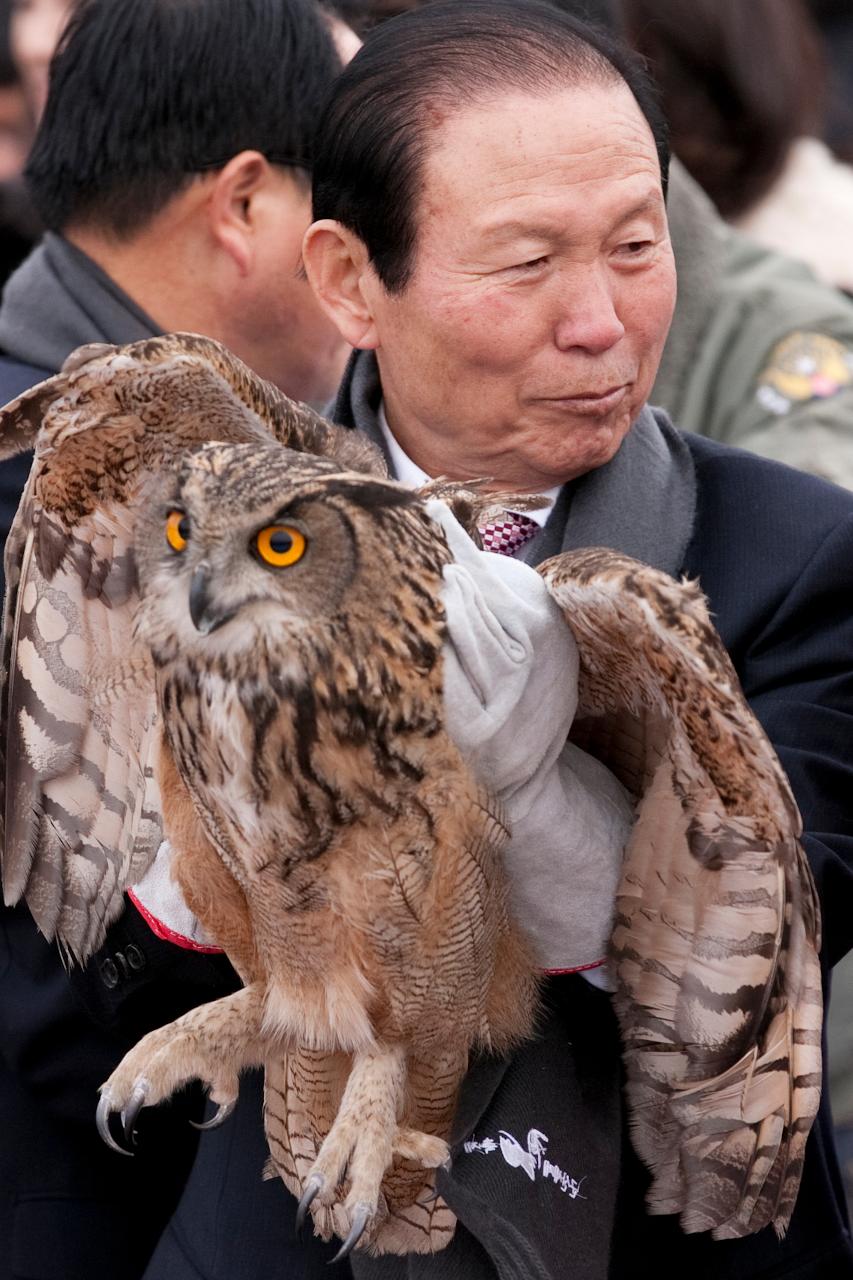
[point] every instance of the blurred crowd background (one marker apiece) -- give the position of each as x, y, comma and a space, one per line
759, 97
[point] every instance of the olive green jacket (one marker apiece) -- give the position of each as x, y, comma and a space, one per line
761, 352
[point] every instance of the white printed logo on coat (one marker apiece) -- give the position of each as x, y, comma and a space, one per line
531, 1161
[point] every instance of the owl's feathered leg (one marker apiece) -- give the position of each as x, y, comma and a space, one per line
363, 1140
212, 1043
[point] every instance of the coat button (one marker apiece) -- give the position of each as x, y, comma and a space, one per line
135, 957
109, 974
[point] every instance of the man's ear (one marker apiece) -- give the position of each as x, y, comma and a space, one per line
230, 209
338, 267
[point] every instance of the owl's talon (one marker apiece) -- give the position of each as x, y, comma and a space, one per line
102, 1121
313, 1187
135, 1103
223, 1111
363, 1214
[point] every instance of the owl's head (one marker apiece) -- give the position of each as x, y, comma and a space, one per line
247, 540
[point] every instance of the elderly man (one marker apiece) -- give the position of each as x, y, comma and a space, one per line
491, 235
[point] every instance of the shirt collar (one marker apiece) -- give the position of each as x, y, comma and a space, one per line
410, 474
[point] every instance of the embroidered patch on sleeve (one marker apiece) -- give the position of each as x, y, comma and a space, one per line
804, 366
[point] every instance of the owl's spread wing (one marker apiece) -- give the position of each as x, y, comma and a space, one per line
81, 810
716, 931
184, 373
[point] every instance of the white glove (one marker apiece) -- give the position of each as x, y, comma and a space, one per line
510, 694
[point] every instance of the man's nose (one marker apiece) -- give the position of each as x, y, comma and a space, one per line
588, 318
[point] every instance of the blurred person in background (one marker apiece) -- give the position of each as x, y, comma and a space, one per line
834, 19
19, 227
36, 26
171, 169
15, 131
744, 91
31, 32
760, 354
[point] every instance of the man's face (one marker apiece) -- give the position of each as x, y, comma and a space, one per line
528, 337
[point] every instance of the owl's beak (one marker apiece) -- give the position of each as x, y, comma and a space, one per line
204, 611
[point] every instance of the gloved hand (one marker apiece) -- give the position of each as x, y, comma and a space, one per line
510, 694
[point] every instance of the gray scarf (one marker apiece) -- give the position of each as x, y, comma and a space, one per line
641, 503
57, 300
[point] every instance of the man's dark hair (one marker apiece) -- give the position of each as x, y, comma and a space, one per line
146, 94
374, 136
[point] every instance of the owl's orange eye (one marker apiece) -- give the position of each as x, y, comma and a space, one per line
280, 545
177, 530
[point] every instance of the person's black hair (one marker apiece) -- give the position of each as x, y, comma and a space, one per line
374, 135
146, 94
741, 80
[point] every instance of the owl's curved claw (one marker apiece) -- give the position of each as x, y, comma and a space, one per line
102, 1121
313, 1187
135, 1103
223, 1111
362, 1216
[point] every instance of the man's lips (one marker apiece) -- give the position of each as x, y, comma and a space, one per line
594, 403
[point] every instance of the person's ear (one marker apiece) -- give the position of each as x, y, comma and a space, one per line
231, 206
338, 266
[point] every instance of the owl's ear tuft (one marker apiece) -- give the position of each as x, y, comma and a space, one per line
371, 495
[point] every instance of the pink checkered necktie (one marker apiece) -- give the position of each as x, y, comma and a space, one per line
509, 534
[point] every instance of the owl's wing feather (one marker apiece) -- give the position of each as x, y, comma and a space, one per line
716, 933
81, 810
193, 364
189, 372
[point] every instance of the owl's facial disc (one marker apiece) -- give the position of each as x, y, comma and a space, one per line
277, 546
273, 573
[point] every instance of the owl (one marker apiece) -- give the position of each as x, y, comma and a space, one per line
224, 626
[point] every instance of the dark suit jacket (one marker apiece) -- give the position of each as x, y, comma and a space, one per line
773, 550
